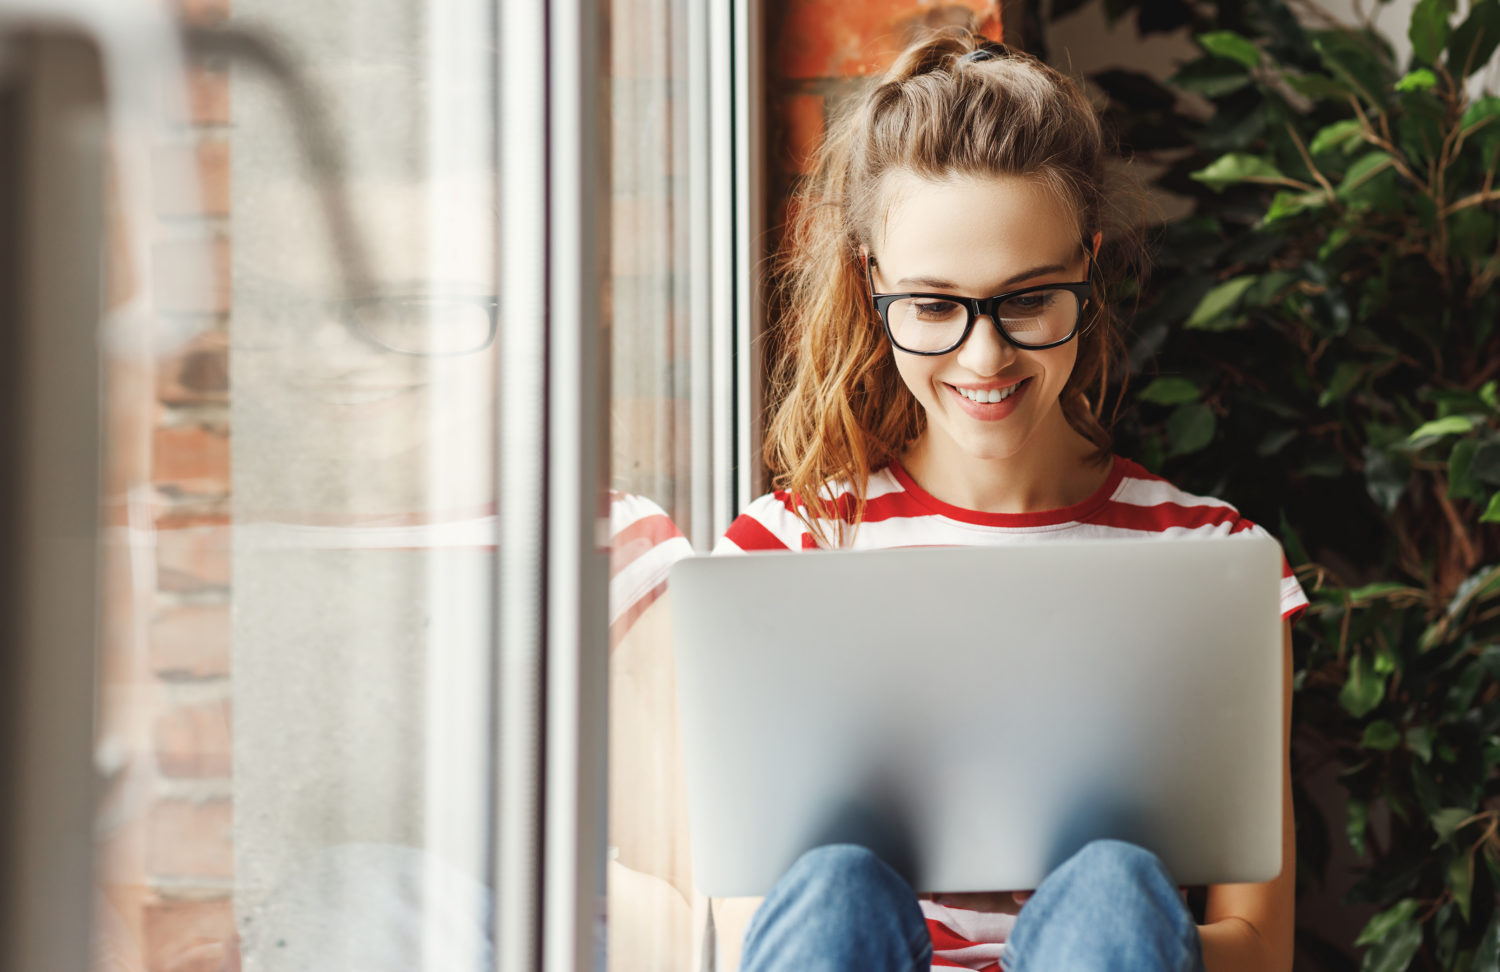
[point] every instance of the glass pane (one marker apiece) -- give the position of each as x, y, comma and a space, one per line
650, 901
296, 712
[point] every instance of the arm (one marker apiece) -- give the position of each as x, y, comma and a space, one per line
1249, 926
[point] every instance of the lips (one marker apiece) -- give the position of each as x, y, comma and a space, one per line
1010, 398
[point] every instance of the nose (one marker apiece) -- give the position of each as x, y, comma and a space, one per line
986, 353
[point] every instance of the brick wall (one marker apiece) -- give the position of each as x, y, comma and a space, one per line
821, 51
166, 871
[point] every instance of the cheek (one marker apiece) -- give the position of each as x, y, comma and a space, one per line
1060, 367
916, 374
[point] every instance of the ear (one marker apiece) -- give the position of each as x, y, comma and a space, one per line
1098, 239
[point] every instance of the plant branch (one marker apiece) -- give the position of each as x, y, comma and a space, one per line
1474, 199
1307, 160
1383, 141
1467, 553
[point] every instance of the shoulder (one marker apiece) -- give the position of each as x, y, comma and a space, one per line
1144, 502
777, 520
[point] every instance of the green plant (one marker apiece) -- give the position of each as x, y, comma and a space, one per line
1319, 344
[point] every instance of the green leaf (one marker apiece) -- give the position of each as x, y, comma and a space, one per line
1345, 377
1353, 60
1445, 822
1364, 168
1472, 233
1317, 86
1429, 29
1190, 428
1210, 77
1461, 481
1491, 512
1480, 115
1422, 79
1452, 425
1171, 391
1419, 741
1363, 690
1228, 44
1486, 464
1285, 204
1212, 312
1238, 167
1386, 476
1488, 393
1342, 134
1380, 735
1395, 952
1381, 926
1473, 41
1274, 442
1487, 958
1370, 592
1357, 820
1461, 880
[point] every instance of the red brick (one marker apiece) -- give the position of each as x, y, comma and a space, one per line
207, 97
192, 276
191, 179
802, 115
192, 559
191, 641
201, 12
190, 839
197, 373
198, 511
194, 740
129, 420
191, 458
181, 935
837, 38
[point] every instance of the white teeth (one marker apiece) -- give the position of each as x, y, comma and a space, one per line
987, 396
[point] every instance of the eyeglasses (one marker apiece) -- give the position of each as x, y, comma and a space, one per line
1033, 318
427, 325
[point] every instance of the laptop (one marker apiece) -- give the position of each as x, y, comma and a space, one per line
1003, 706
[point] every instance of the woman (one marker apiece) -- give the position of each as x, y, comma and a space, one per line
948, 347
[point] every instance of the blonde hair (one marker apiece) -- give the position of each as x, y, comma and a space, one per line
841, 409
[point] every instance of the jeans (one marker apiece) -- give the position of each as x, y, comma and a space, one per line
1109, 908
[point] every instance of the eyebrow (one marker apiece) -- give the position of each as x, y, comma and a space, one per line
950, 285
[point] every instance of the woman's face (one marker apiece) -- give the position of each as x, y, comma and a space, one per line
979, 237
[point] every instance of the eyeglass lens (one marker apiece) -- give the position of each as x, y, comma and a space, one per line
1037, 317
425, 325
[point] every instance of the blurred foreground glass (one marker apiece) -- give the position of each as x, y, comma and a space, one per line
296, 703
656, 466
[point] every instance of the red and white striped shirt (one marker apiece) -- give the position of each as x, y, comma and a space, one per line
898, 513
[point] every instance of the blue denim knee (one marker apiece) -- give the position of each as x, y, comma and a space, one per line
838, 907
1111, 907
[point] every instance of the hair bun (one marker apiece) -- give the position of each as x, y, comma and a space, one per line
942, 48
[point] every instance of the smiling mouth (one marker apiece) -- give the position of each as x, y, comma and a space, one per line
989, 396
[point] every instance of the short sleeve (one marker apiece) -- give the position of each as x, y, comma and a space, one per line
1293, 597
768, 523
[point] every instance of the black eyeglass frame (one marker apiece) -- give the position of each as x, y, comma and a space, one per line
983, 306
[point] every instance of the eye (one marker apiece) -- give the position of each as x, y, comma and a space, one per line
1029, 303
936, 310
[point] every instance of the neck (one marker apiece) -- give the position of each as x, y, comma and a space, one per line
1051, 471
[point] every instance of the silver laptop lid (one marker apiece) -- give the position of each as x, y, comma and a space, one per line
1008, 704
